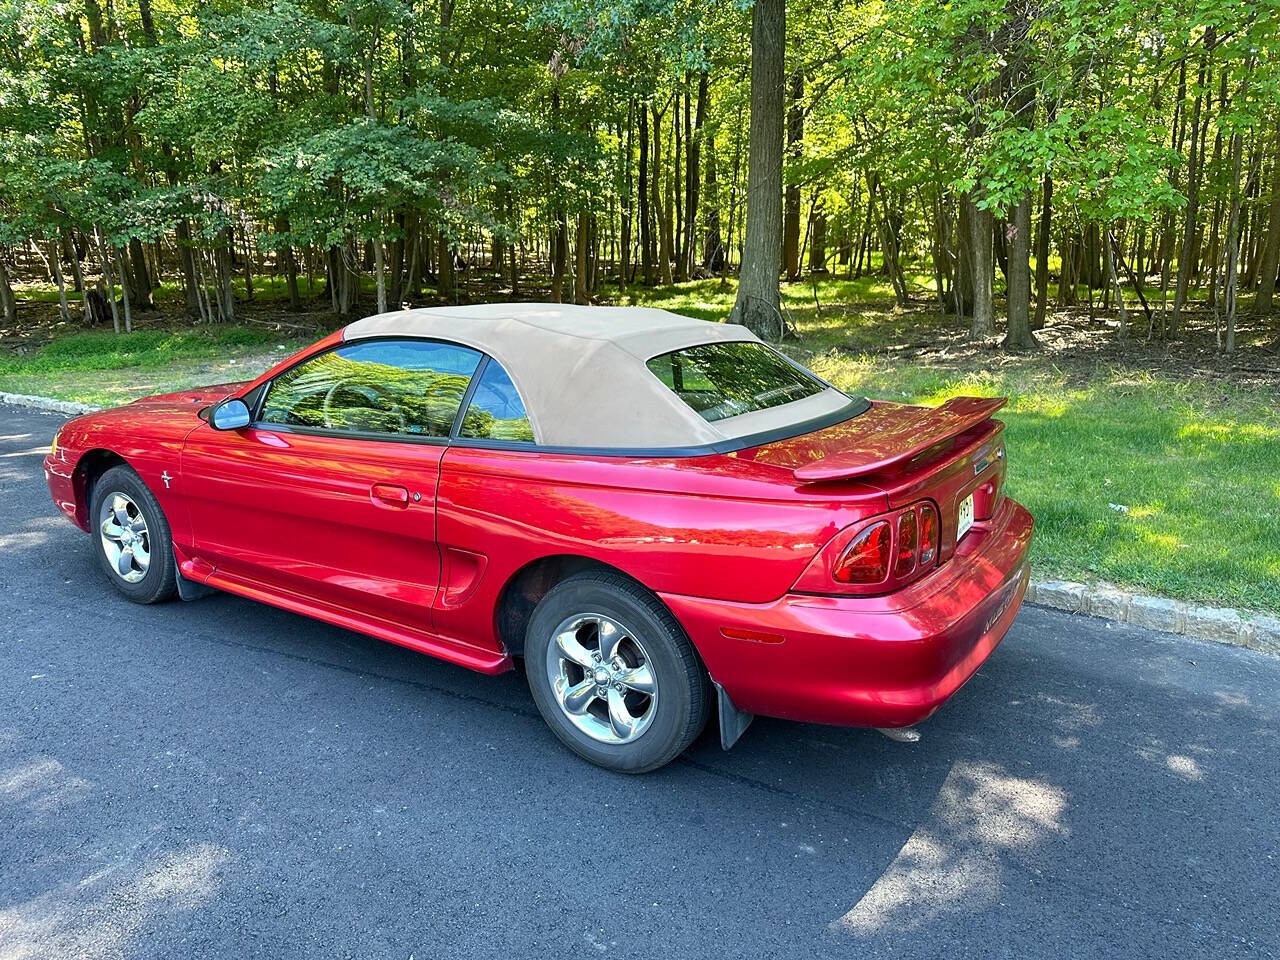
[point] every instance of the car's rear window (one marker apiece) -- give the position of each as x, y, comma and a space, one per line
721, 380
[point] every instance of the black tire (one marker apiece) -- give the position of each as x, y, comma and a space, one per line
682, 703
159, 581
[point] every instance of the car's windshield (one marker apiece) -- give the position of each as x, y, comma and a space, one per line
720, 380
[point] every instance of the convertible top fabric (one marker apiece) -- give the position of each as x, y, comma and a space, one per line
581, 370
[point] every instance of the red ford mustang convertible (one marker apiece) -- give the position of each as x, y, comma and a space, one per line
652, 512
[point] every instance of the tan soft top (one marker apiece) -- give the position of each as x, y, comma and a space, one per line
581, 370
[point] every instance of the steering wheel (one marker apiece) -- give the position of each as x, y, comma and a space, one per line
370, 394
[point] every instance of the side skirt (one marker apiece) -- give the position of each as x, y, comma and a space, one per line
482, 661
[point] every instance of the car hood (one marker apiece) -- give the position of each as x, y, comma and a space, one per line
186, 399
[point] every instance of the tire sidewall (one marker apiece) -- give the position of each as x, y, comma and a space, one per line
666, 736
160, 580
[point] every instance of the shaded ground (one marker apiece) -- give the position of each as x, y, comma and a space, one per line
224, 779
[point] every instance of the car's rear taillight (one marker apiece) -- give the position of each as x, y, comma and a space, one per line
866, 559
928, 534
877, 555
906, 558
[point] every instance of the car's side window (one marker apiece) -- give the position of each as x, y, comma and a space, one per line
398, 387
496, 411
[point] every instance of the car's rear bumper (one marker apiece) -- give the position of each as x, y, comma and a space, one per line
869, 661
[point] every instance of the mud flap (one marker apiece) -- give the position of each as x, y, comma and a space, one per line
190, 589
733, 722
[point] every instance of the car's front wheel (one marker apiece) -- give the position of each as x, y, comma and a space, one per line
131, 537
613, 674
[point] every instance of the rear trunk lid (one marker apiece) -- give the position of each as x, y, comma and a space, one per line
944, 454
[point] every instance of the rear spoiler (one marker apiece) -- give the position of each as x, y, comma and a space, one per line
907, 438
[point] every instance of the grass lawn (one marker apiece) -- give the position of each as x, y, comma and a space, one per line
1140, 469
103, 369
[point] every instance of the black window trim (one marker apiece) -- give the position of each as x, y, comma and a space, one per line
855, 407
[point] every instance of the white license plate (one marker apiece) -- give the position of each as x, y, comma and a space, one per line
965, 519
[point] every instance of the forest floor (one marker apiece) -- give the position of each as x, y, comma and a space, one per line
1150, 464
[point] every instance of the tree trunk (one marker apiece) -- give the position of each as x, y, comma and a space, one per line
628, 198
646, 230
692, 177
1042, 254
1270, 260
141, 286
446, 278
980, 237
580, 294
1233, 244
124, 290
791, 215
55, 262
108, 276
187, 266
818, 244
1191, 214
758, 300
1019, 335
661, 214
8, 302
713, 245
559, 257
1123, 334
380, 274
225, 273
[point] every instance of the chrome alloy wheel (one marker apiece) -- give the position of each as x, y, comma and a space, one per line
125, 540
602, 679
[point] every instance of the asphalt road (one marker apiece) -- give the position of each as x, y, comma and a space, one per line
220, 778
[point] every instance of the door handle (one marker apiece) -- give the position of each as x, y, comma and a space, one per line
389, 495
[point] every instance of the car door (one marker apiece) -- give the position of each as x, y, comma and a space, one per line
329, 494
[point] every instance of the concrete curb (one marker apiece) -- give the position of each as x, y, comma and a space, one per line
47, 404
1256, 631
1240, 628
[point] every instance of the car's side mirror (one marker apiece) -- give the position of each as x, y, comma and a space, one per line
230, 415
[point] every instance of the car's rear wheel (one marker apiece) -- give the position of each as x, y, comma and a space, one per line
132, 538
613, 674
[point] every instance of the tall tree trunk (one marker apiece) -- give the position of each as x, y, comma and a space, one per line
124, 290
141, 279
225, 274
628, 200
980, 238
55, 262
187, 265
646, 227
663, 216
713, 245
559, 257
380, 272
8, 302
1233, 244
1194, 165
818, 243
1019, 335
680, 127
758, 300
791, 214
693, 176
1123, 334
1042, 253
580, 279
446, 276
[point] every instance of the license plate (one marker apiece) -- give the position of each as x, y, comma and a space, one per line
965, 519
